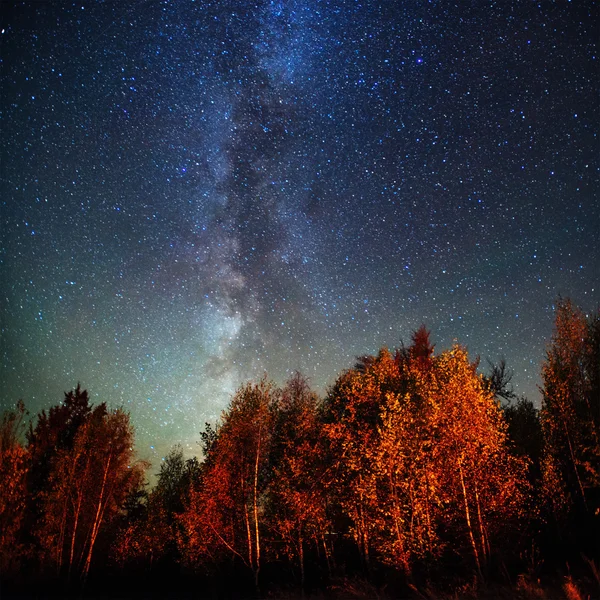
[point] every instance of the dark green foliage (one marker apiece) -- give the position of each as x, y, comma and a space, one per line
208, 438
175, 479
12, 426
525, 432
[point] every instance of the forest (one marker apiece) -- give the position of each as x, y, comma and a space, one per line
417, 475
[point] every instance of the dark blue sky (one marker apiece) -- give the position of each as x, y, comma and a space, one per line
195, 193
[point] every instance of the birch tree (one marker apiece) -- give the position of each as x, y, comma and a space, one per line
570, 414
225, 515
87, 486
298, 512
423, 467
352, 422
482, 486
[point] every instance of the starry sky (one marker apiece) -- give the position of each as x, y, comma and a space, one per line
194, 193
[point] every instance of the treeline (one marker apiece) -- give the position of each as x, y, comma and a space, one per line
415, 476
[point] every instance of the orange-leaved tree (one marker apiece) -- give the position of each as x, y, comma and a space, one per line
297, 499
352, 420
407, 483
482, 486
224, 515
14, 465
570, 416
421, 457
87, 485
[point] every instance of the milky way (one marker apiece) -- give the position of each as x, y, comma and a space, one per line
194, 194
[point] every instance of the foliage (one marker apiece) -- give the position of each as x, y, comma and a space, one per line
62, 489
14, 465
414, 470
298, 504
151, 528
88, 484
525, 433
570, 419
224, 516
423, 465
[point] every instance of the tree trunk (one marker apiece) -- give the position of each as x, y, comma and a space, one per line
484, 542
326, 550
256, 531
468, 518
396, 512
76, 516
97, 521
364, 538
248, 530
74, 534
428, 512
61, 536
575, 466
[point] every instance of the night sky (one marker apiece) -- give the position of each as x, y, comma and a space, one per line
194, 193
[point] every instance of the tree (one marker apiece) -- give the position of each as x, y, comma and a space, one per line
150, 530
224, 516
499, 379
14, 465
520, 414
525, 433
352, 417
570, 416
54, 432
88, 483
422, 461
297, 496
421, 349
145, 534
407, 481
175, 480
482, 486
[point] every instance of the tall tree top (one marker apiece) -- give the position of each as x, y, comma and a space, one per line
421, 344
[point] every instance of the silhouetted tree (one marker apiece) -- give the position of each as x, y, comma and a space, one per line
421, 348
525, 432
498, 380
152, 532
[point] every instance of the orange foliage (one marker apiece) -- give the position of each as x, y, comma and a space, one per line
14, 465
421, 451
224, 516
571, 414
